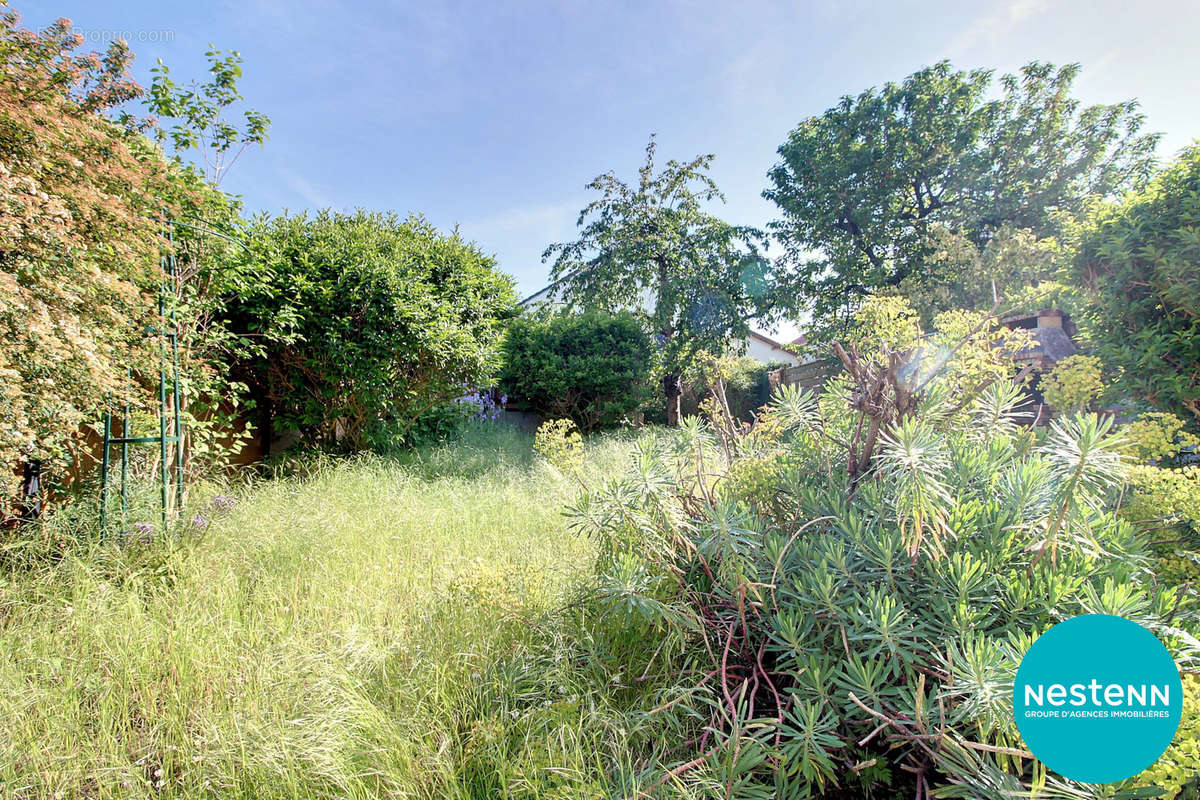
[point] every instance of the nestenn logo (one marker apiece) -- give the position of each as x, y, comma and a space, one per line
1097, 698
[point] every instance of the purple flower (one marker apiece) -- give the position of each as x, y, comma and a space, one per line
221, 503
482, 404
144, 532
199, 522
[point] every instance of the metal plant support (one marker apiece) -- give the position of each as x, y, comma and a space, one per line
170, 421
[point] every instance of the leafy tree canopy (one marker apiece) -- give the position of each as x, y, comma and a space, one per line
1137, 265
198, 114
865, 188
706, 279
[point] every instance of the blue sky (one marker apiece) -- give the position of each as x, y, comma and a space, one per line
494, 115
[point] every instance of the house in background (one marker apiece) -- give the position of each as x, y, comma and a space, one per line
759, 346
766, 350
1052, 342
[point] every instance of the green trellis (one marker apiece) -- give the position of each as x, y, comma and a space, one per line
170, 417
170, 420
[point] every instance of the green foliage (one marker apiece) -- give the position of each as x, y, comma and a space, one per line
1179, 768
707, 279
883, 321
974, 351
747, 387
1157, 436
756, 479
210, 269
199, 113
1014, 266
967, 350
365, 318
870, 182
1136, 260
1161, 495
85, 199
838, 626
593, 367
80, 223
1161, 499
1075, 384
744, 380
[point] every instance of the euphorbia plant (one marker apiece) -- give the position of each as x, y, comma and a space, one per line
852, 633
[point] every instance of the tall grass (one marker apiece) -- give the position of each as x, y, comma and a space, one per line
358, 631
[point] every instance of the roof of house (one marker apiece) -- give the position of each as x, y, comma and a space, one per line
767, 340
1051, 343
1051, 330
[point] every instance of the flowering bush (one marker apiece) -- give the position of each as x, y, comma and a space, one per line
482, 405
1157, 436
560, 443
84, 202
79, 244
1179, 767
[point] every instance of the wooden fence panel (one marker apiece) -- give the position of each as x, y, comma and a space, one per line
808, 376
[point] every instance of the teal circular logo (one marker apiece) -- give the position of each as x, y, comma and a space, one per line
1097, 698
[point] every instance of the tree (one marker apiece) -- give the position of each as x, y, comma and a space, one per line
1013, 265
864, 188
592, 367
199, 113
707, 278
1138, 262
365, 319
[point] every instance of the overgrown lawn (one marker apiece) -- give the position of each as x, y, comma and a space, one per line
333, 636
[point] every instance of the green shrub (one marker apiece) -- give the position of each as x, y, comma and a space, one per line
593, 367
559, 442
756, 479
831, 623
1157, 436
968, 350
1177, 772
366, 318
1136, 266
1161, 499
1075, 384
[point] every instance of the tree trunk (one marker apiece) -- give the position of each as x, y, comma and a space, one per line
672, 390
